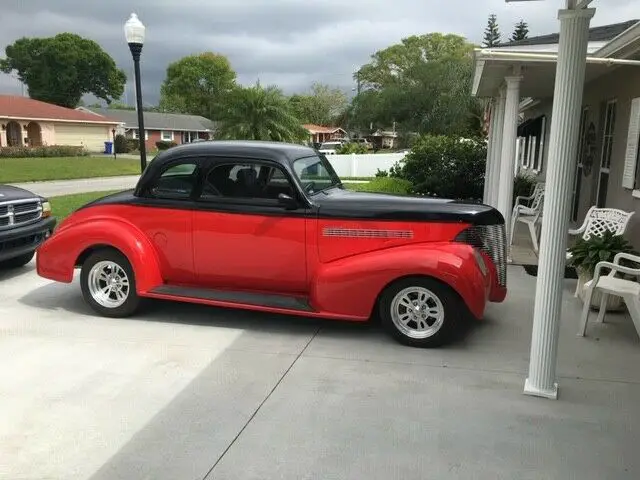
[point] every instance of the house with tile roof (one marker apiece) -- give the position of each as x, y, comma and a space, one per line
320, 133
28, 122
159, 126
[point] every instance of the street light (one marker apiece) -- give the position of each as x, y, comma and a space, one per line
134, 33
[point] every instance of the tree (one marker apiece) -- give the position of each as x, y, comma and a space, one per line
257, 113
322, 106
422, 83
61, 69
197, 84
492, 32
520, 32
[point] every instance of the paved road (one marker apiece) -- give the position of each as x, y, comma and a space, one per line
66, 187
187, 392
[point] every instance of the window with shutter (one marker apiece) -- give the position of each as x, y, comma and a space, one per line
629, 175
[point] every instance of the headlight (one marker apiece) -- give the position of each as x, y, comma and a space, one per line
480, 261
46, 209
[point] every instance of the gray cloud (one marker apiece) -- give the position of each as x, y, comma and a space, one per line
290, 43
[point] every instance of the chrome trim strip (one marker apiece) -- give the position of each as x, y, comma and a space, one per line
365, 233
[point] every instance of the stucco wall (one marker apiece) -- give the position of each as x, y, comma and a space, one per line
48, 133
622, 84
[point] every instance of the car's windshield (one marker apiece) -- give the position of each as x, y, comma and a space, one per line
315, 174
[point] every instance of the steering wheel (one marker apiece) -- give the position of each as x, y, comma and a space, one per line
310, 187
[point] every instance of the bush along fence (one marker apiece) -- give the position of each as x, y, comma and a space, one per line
443, 166
43, 151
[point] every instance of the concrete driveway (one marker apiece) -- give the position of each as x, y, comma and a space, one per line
188, 392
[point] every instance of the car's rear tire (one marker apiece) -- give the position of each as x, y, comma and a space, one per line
421, 312
108, 284
17, 262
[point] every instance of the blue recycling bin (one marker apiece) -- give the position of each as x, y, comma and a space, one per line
108, 147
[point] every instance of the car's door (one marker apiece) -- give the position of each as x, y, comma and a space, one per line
165, 215
243, 237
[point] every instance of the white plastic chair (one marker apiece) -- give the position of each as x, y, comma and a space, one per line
529, 214
612, 285
599, 220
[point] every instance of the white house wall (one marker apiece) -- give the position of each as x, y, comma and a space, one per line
622, 84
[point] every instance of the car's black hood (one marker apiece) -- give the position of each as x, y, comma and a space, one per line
9, 193
341, 203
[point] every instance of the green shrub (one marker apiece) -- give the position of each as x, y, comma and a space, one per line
586, 254
133, 145
162, 145
43, 151
445, 166
523, 185
392, 185
120, 144
348, 148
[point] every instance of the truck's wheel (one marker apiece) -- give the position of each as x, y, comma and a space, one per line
17, 262
108, 284
420, 312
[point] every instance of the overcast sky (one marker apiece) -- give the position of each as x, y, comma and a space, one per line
290, 43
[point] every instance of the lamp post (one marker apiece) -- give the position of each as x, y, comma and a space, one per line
134, 33
113, 134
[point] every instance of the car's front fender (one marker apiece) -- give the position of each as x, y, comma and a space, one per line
351, 286
58, 256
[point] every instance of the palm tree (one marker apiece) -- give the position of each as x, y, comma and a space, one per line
257, 113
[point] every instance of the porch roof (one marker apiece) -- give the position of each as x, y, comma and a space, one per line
538, 68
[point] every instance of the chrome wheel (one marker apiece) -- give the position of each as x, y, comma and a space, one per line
417, 312
108, 284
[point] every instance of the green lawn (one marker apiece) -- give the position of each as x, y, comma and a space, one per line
16, 170
63, 205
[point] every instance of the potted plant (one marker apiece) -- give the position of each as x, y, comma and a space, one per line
585, 255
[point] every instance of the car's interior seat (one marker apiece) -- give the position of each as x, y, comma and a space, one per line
246, 185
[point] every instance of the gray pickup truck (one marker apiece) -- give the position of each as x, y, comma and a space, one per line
25, 222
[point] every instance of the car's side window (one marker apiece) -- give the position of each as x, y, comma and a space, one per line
246, 180
176, 182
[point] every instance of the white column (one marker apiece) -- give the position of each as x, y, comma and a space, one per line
496, 152
490, 147
563, 145
508, 155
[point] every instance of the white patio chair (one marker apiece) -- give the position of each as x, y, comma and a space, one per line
612, 285
528, 214
597, 221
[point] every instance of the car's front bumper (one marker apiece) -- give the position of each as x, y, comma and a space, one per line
22, 240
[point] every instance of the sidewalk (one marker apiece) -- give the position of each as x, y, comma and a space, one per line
80, 185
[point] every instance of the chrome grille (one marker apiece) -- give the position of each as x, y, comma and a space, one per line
19, 212
491, 239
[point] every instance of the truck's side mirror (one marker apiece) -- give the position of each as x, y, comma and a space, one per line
287, 202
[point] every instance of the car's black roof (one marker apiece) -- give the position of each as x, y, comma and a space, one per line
277, 151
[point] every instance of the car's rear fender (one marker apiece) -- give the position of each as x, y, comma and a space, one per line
67, 248
352, 285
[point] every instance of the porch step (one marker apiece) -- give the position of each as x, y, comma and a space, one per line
285, 302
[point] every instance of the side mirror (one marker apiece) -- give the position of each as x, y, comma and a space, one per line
287, 202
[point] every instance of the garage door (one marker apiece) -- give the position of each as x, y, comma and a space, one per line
91, 136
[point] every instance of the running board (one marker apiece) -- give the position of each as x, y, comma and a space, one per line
284, 302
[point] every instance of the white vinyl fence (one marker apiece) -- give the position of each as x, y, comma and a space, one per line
363, 165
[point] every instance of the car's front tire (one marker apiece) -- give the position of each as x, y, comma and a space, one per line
17, 262
108, 284
421, 312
